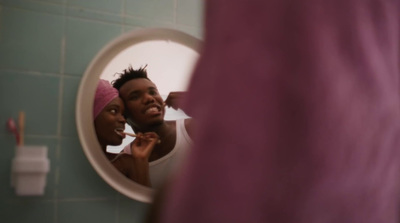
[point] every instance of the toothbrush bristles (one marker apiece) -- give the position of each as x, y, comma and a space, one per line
134, 135
130, 134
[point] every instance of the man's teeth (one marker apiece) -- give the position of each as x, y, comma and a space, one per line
152, 109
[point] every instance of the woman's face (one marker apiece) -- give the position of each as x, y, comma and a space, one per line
110, 124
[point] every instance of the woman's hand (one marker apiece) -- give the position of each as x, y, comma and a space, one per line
141, 149
143, 145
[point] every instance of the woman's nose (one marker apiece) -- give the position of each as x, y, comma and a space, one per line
121, 118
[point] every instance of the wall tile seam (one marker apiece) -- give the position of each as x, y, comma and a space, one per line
66, 10
121, 17
60, 200
66, 14
73, 75
175, 11
189, 26
44, 136
80, 199
70, 10
28, 72
142, 18
92, 20
44, 2
61, 84
63, 7
80, 8
31, 10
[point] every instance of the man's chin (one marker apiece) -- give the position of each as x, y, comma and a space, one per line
153, 123
156, 123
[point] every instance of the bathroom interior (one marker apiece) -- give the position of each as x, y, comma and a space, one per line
46, 47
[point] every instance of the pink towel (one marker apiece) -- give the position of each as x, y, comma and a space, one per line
105, 93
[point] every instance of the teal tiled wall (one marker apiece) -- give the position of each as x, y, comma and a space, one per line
45, 47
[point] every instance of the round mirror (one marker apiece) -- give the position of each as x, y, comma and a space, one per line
170, 51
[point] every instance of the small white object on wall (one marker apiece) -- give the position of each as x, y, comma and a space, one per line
29, 170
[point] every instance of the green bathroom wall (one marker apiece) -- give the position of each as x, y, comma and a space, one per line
45, 47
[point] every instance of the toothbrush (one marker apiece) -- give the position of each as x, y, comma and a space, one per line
21, 125
13, 129
134, 135
130, 134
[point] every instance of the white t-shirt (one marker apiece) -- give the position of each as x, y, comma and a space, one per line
162, 168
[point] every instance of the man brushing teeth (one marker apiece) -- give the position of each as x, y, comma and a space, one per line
145, 111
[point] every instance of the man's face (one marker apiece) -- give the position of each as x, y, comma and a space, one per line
144, 105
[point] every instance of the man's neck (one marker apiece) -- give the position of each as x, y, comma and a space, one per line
162, 129
167, 136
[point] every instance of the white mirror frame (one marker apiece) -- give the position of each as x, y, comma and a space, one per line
84, 105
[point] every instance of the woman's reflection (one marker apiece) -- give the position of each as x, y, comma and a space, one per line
145, 110
109, 125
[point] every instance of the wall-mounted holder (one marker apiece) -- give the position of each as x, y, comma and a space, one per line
29, 169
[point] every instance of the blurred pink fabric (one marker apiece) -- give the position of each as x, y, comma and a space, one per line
296, 106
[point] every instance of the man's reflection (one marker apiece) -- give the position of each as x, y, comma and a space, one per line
145, 110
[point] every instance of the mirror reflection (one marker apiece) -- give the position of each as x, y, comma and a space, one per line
168, 63
169, 72
138, 123
109, 124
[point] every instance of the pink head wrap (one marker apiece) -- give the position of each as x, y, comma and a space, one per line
105, 93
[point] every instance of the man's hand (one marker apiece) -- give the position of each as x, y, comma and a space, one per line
174, 99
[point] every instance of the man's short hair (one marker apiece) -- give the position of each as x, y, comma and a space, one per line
129, 74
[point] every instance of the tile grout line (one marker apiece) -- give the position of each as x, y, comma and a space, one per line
117, 209
62, 70
39, 73
60, 112
98, 12
123, 15
61, 86
175, 11
63, 4
1, 9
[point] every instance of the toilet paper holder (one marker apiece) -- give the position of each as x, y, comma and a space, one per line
29, 169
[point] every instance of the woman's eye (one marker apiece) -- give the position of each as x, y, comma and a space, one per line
113, 111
